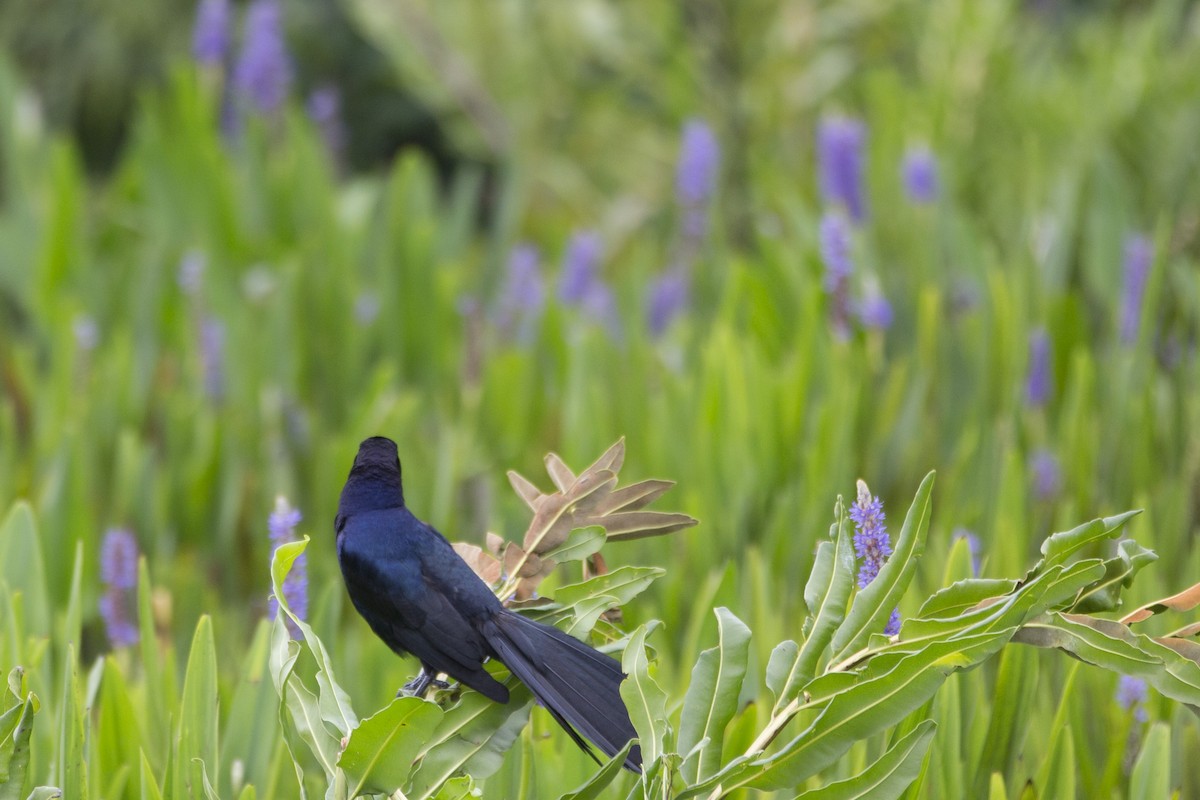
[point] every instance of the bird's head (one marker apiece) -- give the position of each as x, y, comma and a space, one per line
374, 481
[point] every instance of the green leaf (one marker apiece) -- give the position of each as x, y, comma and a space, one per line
580, 543
622, 584
1151, 775
197, 753
1012, 707
644, 698
596, 784
472, 737
71, 766
1119, 571
1061, 769
712, 697
299, 708
962, 596
15, 767
149, 784
1058, 548
379, 754
874, 603
459, 788
23, 567
826, 594
888, 777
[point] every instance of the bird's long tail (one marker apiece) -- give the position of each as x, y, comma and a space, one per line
578, 685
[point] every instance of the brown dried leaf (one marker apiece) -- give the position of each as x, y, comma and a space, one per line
560, 473
524, 488
495, 543
520, 564
484, 565
591, 492
612, 459
628, 525
1186, 631
1184, 601
548, 514
1185, 647
634, 497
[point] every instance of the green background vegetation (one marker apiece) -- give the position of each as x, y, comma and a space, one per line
1059, 133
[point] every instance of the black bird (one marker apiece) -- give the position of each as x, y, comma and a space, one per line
420, 597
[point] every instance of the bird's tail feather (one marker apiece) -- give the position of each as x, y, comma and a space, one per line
577, 684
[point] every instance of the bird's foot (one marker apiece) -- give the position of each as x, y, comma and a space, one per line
421, 684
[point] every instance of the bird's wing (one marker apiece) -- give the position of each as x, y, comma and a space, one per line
413, 610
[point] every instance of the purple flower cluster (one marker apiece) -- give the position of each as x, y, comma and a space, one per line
874, 310
523, 296
210, 36
835, 252
920, 175
1037, 382
263, 72
324, 108
212, 357
281, 527
1132, 695
695, 184
119, 573
840, 160
872, 544
580, 284
1046, 474
1139, 255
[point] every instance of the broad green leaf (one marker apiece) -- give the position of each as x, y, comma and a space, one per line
962, 596
1061, 770
826, 594
1119, 571
1058, 548
459, 788
1151, 776
251, 730
299, 708
72, 732
15, 761
472, 736
160, 698
887, 778
332, 698
624, 584
996, 788
873, 605
780, 667
379, 754
23, 567
712, 696
1055, 757
148, 782
197, 753
644, 698
118, 736
580, 543
596, 784
1114, 646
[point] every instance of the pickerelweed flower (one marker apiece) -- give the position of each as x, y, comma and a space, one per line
87, 332
191, 272
1037, 382
324, 108
119, 573
523, 296
840, 145
919, 172
580, 266
210, 36
281, 527
699, 158
874, 310
872, 544
1046, 474
972, 547
835, 253
1139, 255
1132, 695
212, 357
263, 73
668, 299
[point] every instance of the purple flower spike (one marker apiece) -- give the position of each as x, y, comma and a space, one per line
281, 527
119, 572
1037, 383
893, 625
871, 541
699, 157
523, 296
1047, 475
835, 252
263, 72
1139, 255
324, 108
212, 357
1132, 695
210, 36
920, 173
580, 266
875, 311
840, 144
668, 299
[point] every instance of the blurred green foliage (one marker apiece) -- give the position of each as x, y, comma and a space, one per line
1058, 134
